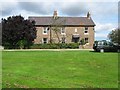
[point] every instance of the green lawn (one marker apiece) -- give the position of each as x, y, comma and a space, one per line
59, 69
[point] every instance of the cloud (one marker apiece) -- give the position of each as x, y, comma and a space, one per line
36, 7
103, 9
66, 0
8, 9
73, 8
103, 12
101, 36
66, 8
105, 27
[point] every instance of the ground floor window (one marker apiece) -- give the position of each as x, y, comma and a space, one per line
44, 40
63, 39
75, 38
86, 40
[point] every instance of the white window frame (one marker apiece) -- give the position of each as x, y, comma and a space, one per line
63, 30
76, 30
44, 41
86, 30
45, 29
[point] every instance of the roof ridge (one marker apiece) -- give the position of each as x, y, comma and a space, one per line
52, 16
69, 20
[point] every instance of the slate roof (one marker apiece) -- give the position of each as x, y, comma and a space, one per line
70, 21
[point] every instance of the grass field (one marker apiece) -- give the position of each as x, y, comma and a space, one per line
59, 69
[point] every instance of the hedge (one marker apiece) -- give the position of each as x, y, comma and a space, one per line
56, 46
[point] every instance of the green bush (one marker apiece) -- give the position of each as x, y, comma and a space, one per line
35, 46
73, 45
7, 46
63, 45
56, 46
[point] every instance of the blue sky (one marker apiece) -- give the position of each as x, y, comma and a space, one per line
104, 14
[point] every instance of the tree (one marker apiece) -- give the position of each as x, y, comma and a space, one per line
114, 36
55, 26
82, 43
0, 34
18, 32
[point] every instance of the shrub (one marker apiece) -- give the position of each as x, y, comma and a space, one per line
35, 46
7, 46
73, 45
22, 43
63, 45
56, 46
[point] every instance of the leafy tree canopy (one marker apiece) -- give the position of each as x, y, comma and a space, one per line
16, 29
114, 36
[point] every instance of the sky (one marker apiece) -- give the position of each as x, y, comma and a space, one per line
104, 14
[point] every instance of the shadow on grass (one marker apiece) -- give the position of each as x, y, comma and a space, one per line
105, 52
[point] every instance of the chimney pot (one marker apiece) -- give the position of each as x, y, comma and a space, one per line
88, 15
55, 14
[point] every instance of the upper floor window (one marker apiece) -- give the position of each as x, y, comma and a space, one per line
45, 30
76, 30
62, 30
86, 30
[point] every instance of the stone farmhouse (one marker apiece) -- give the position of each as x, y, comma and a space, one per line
66, 29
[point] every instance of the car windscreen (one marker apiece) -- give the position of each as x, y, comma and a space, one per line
100, 43
104, 43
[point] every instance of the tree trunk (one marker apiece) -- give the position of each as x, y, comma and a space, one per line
57, 36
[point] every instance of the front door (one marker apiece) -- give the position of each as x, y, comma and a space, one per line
75, 40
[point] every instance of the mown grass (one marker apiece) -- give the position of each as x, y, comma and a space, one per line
59, 69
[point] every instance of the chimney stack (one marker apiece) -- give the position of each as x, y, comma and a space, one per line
55, 15
88, 15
